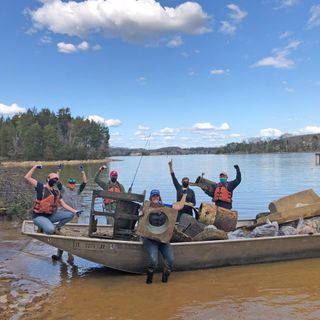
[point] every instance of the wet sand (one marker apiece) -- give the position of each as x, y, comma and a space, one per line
37, 288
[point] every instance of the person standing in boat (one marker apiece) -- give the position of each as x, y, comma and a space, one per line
48, 198
71, 196
71, 192
153, 247
180, 188
222, 192
113, 185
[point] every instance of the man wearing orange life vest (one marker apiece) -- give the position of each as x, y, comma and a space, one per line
113, 185
48, 199
221, 193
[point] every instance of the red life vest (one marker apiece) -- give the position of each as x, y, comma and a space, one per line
49, 202
222, 193
114, 188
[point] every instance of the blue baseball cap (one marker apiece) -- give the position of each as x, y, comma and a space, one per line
154, 192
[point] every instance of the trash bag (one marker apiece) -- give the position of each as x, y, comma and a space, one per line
270, 229
287, 231
238, 234
306, 227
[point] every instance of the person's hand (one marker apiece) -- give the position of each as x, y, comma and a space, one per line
60, 166
170, 163
78, 212
236, 167
39, 166
81, 168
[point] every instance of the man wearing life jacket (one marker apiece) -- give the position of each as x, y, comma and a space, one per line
48, 199
222, 192
181, 188
113, 185
153, 247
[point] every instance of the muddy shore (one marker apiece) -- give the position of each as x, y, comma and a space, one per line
21, 294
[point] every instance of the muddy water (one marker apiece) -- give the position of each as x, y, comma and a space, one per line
34, 287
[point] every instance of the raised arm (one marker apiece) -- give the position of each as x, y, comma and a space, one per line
234, 183
176, 184
97, 179
84, 177
180, 204
29, 174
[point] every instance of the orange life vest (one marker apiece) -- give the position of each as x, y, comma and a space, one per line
115, 188
222, 193
49, 202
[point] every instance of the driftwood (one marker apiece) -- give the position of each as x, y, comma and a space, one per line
222, 218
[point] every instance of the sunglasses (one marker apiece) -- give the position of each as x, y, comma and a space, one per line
72, 181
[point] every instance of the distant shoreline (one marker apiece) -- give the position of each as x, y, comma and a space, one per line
9, 164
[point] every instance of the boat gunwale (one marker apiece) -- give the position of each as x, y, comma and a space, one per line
175, 244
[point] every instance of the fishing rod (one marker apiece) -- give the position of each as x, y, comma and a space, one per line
145, 147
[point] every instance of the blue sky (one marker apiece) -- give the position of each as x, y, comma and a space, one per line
200, 73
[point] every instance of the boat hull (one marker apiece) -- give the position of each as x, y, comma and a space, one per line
129, 256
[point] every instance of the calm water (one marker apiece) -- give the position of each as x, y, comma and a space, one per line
283, 290
265, 177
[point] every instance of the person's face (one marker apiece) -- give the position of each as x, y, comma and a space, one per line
223, 178
185, 183
155, 199
114, 178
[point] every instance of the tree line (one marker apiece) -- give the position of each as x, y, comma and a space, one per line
46, 135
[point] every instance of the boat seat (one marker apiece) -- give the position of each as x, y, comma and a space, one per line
124, 216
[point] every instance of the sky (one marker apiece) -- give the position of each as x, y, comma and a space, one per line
166, 73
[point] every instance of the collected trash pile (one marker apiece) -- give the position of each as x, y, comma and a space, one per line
295, 214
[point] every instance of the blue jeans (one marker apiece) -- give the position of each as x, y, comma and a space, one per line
153, 247
46, 223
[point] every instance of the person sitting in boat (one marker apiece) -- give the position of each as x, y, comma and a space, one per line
153, 247
180, 188
222, 192
48, 198
71, 196
113, 185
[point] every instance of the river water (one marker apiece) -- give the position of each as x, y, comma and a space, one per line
41, 289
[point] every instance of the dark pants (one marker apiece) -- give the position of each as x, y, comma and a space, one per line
153, 247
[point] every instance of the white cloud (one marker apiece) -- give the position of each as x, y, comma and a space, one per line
285, 34
217, 71
208, 126
11, 109
227, 27
71, 48
167, 138
310, 130
66, 47
290, 90
175, 42
105, 122
224, 126
203, 126
46, 39
142, 81
235, 17
167, 132
96, 47
280, 58
235, 135
288, 3
84, 45
143, 128
270, 132
314, 20
129, 20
